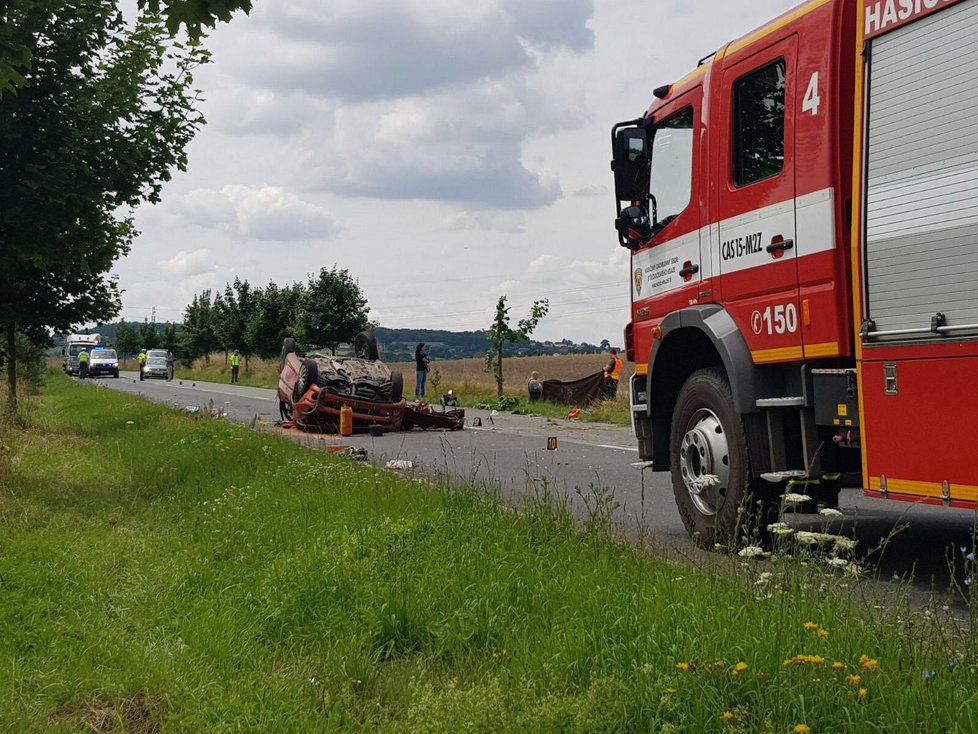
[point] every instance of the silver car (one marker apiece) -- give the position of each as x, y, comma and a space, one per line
158, 365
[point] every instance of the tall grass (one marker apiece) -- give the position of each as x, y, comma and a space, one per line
165, 573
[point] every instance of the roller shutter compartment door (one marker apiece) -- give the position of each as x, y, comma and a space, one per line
921, 220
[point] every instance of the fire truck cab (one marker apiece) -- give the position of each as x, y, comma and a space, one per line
802, 215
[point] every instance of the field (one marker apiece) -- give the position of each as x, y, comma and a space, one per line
468, 379
165, 573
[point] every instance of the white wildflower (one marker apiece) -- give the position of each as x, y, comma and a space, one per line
837, 562
830, 512
764, 578
751, 551
853, 569
845, 543
706, 481
793, 498
805, 537
780, 528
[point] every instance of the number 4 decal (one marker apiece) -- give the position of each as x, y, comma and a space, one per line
811, 100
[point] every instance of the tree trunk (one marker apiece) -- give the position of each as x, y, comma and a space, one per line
499, 372
11, 367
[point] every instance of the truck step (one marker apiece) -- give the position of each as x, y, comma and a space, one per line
777, 477
791, 401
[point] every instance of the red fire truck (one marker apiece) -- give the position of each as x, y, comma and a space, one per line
802, 215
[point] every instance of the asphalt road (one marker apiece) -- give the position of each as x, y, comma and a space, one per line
591, 466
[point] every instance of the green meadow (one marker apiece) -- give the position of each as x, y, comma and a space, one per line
161, 572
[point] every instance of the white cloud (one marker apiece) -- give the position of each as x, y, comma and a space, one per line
496, 221
261, 213
188, 263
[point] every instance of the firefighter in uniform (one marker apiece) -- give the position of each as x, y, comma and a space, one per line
141, 358
82, 364
612, 373
235, 366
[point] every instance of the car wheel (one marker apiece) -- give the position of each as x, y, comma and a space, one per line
397, 387
115, 373
308, 376
288, 347
365, 346
285, 410
708, 438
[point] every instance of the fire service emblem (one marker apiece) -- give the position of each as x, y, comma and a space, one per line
638, 281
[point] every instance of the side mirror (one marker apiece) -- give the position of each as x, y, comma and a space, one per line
631, 164
634, 227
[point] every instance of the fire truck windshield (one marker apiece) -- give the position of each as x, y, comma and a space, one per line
672, 166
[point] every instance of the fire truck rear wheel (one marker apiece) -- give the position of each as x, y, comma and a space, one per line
709, 458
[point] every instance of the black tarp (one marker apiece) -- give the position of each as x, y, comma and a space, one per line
580, 392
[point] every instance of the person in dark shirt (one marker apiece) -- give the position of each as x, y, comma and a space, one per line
422, 366
534, 386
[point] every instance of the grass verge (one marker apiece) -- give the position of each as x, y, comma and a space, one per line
165, 573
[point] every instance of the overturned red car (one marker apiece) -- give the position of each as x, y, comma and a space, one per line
313, 389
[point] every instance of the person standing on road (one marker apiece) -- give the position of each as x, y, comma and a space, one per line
422, 365
169, 365
235, 366
534, 386
82, 364
612, 373
141, 358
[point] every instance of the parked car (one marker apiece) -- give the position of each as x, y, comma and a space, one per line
103, 362
312, 389
157, 365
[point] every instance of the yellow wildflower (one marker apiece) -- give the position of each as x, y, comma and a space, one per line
803, 659
863, 693
868, 663
802, 729
728, 716
838, 665
670, 691
810, 626
647, 668
686, 667
738, 669
822, 633
852, 680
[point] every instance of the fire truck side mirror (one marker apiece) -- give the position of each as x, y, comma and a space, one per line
631, 164
634, 227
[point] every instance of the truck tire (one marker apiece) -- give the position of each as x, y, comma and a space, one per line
308, 376
288, 346
708, 438
397, 387
365, 347
285, 410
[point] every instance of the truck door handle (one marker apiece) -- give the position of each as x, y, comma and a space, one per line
780, 244
688, 271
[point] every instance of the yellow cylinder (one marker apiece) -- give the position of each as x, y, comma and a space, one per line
346, 420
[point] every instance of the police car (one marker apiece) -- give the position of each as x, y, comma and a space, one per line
103, 361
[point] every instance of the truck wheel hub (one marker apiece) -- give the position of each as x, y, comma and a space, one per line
704, 454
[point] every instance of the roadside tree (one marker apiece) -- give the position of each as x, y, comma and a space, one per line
198, 337
500, 332
274, 318
332, 311
126, 339
104, 113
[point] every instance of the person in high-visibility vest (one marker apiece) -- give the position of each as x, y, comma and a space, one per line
612, 373
82, 364
141, 358
235, 366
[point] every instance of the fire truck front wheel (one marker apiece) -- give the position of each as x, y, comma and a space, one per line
709, 458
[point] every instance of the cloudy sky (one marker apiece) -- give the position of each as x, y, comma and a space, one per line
445, 152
